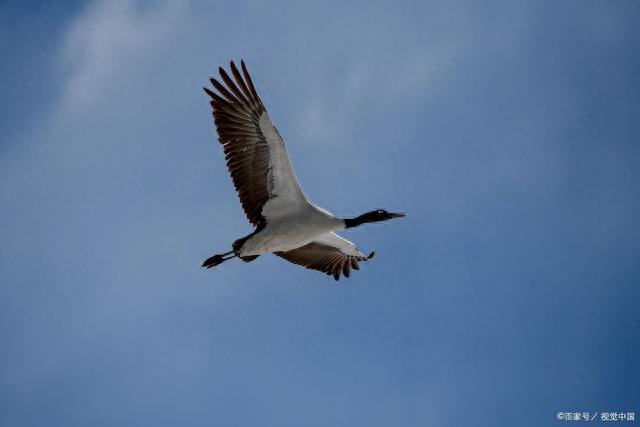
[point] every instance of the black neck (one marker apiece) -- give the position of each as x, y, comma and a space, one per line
353, 222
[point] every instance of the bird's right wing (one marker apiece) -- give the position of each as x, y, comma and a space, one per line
256, 154
330, 254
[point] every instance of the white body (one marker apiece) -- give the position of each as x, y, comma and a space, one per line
292, 231
292, 221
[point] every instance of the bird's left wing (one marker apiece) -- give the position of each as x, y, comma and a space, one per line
329, 253
256, 154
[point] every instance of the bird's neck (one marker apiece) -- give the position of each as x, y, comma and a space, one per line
354, 222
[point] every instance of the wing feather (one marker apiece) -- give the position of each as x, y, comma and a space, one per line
256, 154
330, 254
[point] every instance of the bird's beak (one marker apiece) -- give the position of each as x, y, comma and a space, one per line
396, 215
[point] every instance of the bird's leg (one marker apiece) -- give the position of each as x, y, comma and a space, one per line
217, 259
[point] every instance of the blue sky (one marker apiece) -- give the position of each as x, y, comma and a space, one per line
507, 131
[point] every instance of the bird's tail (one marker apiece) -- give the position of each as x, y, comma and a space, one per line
237, 245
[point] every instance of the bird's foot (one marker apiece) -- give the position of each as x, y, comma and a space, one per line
213, 261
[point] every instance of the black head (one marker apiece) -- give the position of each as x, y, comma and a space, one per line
373, 216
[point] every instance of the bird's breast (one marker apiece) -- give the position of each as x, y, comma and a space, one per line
284, 236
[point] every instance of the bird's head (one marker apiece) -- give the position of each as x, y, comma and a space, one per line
373, 216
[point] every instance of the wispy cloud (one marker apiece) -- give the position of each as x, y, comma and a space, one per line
110, 38
366, 84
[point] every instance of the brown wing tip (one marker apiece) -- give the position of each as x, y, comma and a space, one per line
223, 73
346, 268
371, 255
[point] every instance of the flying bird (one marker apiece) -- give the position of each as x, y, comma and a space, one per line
285, 222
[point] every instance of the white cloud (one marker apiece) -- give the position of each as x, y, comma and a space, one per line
368, 82
108, 38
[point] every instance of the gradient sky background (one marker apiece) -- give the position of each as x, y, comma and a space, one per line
509, 132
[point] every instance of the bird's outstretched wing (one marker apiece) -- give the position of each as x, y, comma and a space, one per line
256, 154
330, 254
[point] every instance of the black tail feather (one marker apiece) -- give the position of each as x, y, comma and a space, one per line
237, 245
